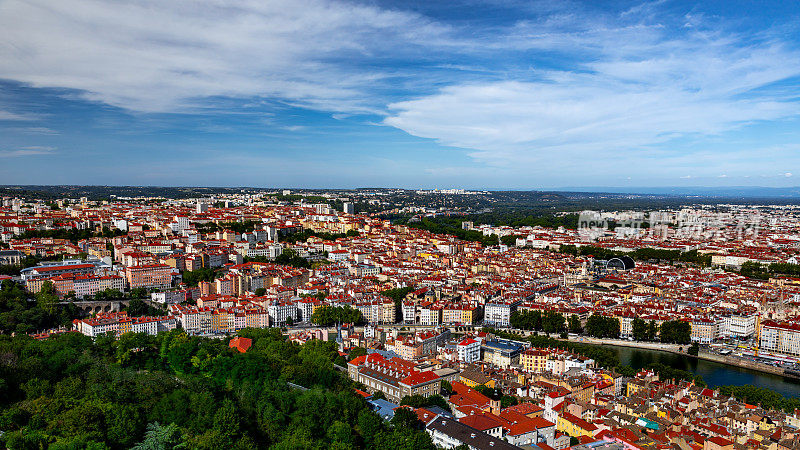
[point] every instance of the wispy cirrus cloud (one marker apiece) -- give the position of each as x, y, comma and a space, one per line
28, 151
32, 130
628, 87
8, 115
155, 56
554, 83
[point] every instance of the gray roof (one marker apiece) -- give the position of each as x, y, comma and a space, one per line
468, 435
384, 408
599, 446
440, 411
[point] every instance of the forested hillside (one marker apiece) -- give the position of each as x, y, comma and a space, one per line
171, 390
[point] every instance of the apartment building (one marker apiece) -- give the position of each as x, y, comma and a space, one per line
534, 360
502, 353
780, 337
469, 350
704, 330
149, 276
119, 323
737, 326
498, 313
395, 377
279, 311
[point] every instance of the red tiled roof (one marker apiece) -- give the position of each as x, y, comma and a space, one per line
529, 425
419, 378
65, 267
482, 422
722, 442
241, 343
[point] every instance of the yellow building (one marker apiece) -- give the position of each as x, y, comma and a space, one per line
468, 315
220, 321
451, 315
34, 285
534, 360
704, 331
124, 326
473, 378
575, 426
634, 386
582, 392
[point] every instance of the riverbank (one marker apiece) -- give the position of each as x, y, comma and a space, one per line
713, 373
680, 350
744, 363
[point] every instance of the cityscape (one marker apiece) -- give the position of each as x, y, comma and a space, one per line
374, 224
504, 336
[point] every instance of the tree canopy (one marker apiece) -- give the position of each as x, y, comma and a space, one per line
22, 312
676, 332
330, 315
290, 257
177, 391
602, 326
549, 321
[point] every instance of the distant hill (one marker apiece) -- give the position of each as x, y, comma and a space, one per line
696, 191
105, 192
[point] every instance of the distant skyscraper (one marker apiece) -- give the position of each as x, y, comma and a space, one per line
202, 208
349, 208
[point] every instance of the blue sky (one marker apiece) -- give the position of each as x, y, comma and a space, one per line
475, 94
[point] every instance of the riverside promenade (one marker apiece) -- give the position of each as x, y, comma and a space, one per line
681, 350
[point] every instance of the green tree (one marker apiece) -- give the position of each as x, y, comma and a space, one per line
329, 315
406, 418
355, 352
419, 401
639, 329
192, 278
340, 432
553, 322
447, 388
676, 332
575, 324
226, 421
652, 330
138, 307
47, 298
602, 327
160, 437
290, 257
370, 426
508, 400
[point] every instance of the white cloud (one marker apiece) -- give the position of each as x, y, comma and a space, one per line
8, 115
571, 115
27, 151
788, 174
150, 55
632, 87
34, 130
624, 85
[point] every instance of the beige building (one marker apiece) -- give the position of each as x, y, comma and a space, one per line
395, 377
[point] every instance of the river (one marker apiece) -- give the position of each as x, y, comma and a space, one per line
713, 373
